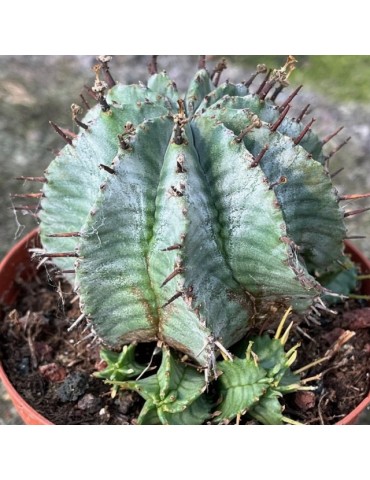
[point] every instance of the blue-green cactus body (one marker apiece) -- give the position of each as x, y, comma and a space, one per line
184, 236
74, 177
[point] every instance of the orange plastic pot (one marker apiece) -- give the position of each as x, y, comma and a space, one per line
17, 264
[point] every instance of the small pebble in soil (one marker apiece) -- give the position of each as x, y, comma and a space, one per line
89, 402
73, 387
305, 400
24, 366
104, 414
125, 401
53, 372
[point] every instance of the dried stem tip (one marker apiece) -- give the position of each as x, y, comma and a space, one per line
77, 110
152, 65
255, 123
261, 68
32, 179
216, 74
202, 62
105, 59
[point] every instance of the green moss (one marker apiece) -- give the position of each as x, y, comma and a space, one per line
339, 77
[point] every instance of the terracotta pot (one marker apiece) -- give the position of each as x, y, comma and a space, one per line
17, 264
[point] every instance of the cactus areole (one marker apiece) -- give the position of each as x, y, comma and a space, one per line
189, 218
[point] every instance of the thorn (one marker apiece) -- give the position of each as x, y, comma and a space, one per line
303, 113
261, 68
107, 169
290, 98
354, 237
225, 353
103, 103
281, 180
329, 137
27, 195
312, 319
257, 159
172, 299
77, 110
202, 62
64, 234
264, 81
40, 264
180, 120
356, 212
32, 179
54, 151
61, 133
84, 101
176, 246
255, 123
91, 92
68, 271
282, 115
249, 82
58, 255
172, 275
339, 147
104, 60
123, 143
267, 88
76, 322
277, 92
180, 164
90, 335
152, 65
332, 175
296, 140
354, 196
216, 74
176, 191
30, 208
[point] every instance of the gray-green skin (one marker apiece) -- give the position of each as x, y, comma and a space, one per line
185, 198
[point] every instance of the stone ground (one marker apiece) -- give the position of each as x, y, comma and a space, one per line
36, 89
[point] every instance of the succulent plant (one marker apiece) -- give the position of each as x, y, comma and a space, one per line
189, 219
120, 366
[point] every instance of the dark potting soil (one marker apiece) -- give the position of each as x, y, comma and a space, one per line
52, 367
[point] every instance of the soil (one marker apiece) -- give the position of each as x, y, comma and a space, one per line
51, 366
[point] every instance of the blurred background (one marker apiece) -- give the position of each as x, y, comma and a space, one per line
36, 89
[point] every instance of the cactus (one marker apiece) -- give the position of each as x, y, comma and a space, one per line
187, 219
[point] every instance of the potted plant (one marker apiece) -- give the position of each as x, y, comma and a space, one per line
199, 223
